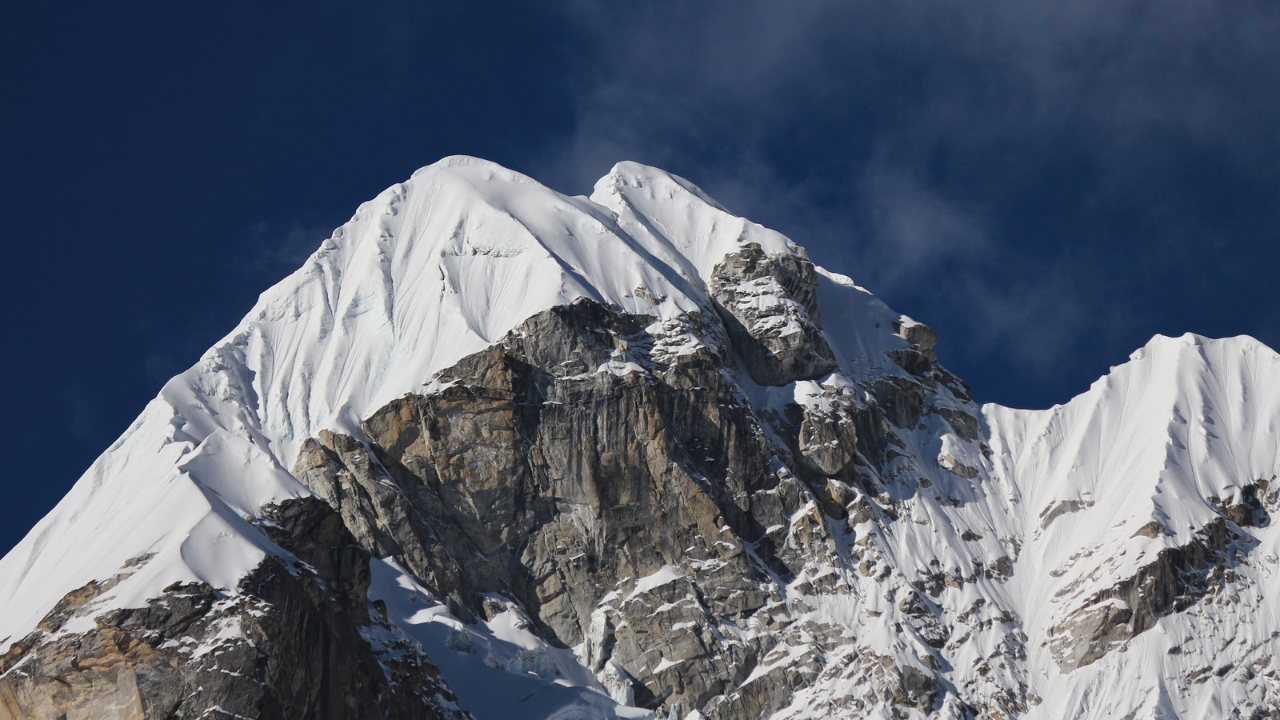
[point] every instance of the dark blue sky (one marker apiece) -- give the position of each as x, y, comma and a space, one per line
1047, 184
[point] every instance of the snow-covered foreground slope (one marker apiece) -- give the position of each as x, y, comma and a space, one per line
908, 553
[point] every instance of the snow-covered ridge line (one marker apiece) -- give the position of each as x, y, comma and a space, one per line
428, 272
1020, 560
1183, 437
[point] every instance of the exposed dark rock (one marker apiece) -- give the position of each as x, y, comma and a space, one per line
921, 337
1247, 509
559, 481
949, 462
965, 425
1152, 529
828, 439
1056, 510
914, 687
1178, 578
603, 475
288, 645
901, 399
875, 434
913, 361
769, 306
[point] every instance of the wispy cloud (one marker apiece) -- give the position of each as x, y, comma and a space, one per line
271, 251
1017, 173
265, 253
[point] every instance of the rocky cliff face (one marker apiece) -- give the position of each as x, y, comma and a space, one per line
499, 453
288, 644
769, 305
606, 472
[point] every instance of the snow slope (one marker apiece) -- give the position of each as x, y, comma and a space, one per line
1170, 436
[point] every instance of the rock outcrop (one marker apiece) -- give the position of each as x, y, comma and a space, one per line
1177, 578
287, 645
613, 496
603, 472
769, 306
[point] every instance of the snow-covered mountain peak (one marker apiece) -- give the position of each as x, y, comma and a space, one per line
431, 270
663, 209
1152, 467
1184, 420
486, 420
1240, 344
